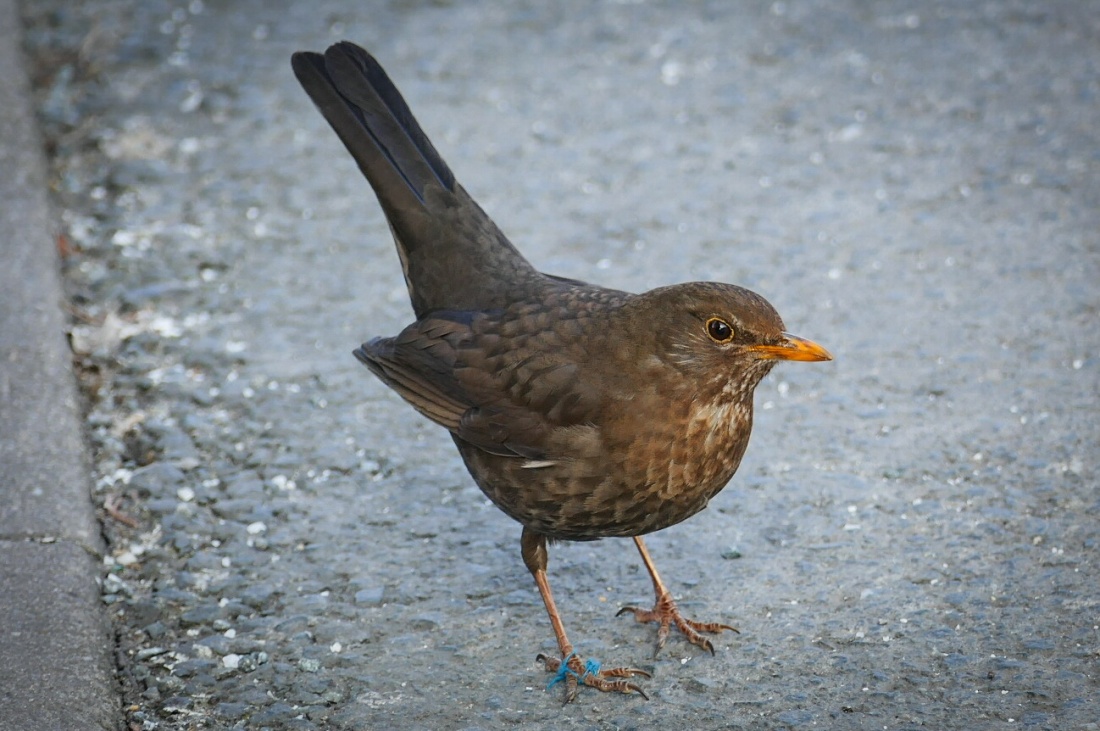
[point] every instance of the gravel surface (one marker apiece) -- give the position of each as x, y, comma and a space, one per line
912, 539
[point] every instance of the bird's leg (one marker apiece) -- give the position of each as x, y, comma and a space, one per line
533, 549
665, 612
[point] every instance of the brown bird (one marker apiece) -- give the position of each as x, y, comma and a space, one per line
581, 412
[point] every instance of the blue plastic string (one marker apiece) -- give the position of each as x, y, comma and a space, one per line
591, 667
563, 670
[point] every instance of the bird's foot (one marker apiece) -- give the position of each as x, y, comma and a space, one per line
666, 613
573, 670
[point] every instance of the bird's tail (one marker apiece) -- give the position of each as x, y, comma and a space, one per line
373, 121
453, 255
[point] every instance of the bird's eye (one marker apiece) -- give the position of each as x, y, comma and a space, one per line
719, 330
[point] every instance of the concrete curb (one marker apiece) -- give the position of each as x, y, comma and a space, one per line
56, 670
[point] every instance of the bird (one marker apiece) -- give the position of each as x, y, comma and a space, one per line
582, 412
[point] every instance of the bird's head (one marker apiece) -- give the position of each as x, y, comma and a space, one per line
720, 333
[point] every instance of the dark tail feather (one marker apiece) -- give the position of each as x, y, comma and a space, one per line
367, 112
453, 256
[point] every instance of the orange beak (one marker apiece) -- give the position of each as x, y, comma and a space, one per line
792, 347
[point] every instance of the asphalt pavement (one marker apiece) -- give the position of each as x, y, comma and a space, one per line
227, 523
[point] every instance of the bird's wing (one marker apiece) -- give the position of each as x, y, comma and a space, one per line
478, 385
419, 365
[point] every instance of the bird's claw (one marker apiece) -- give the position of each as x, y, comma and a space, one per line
666, 613
591, 674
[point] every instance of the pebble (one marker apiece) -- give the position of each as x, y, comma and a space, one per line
231, 711
245, 485
257, 595
370, 596
218, 644
200, 616
309, 665
275, 713
175, 445
177, 703
188, 668
159, 479
148, 652
426, 622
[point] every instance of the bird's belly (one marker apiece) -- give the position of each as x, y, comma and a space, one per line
657, 480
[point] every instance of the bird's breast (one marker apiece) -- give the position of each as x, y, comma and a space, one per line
687, 464
633, 474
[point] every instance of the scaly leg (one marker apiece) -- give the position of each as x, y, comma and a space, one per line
665, 611
533, 549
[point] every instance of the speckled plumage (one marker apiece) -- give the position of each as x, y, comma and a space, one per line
582, 412
575, 417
